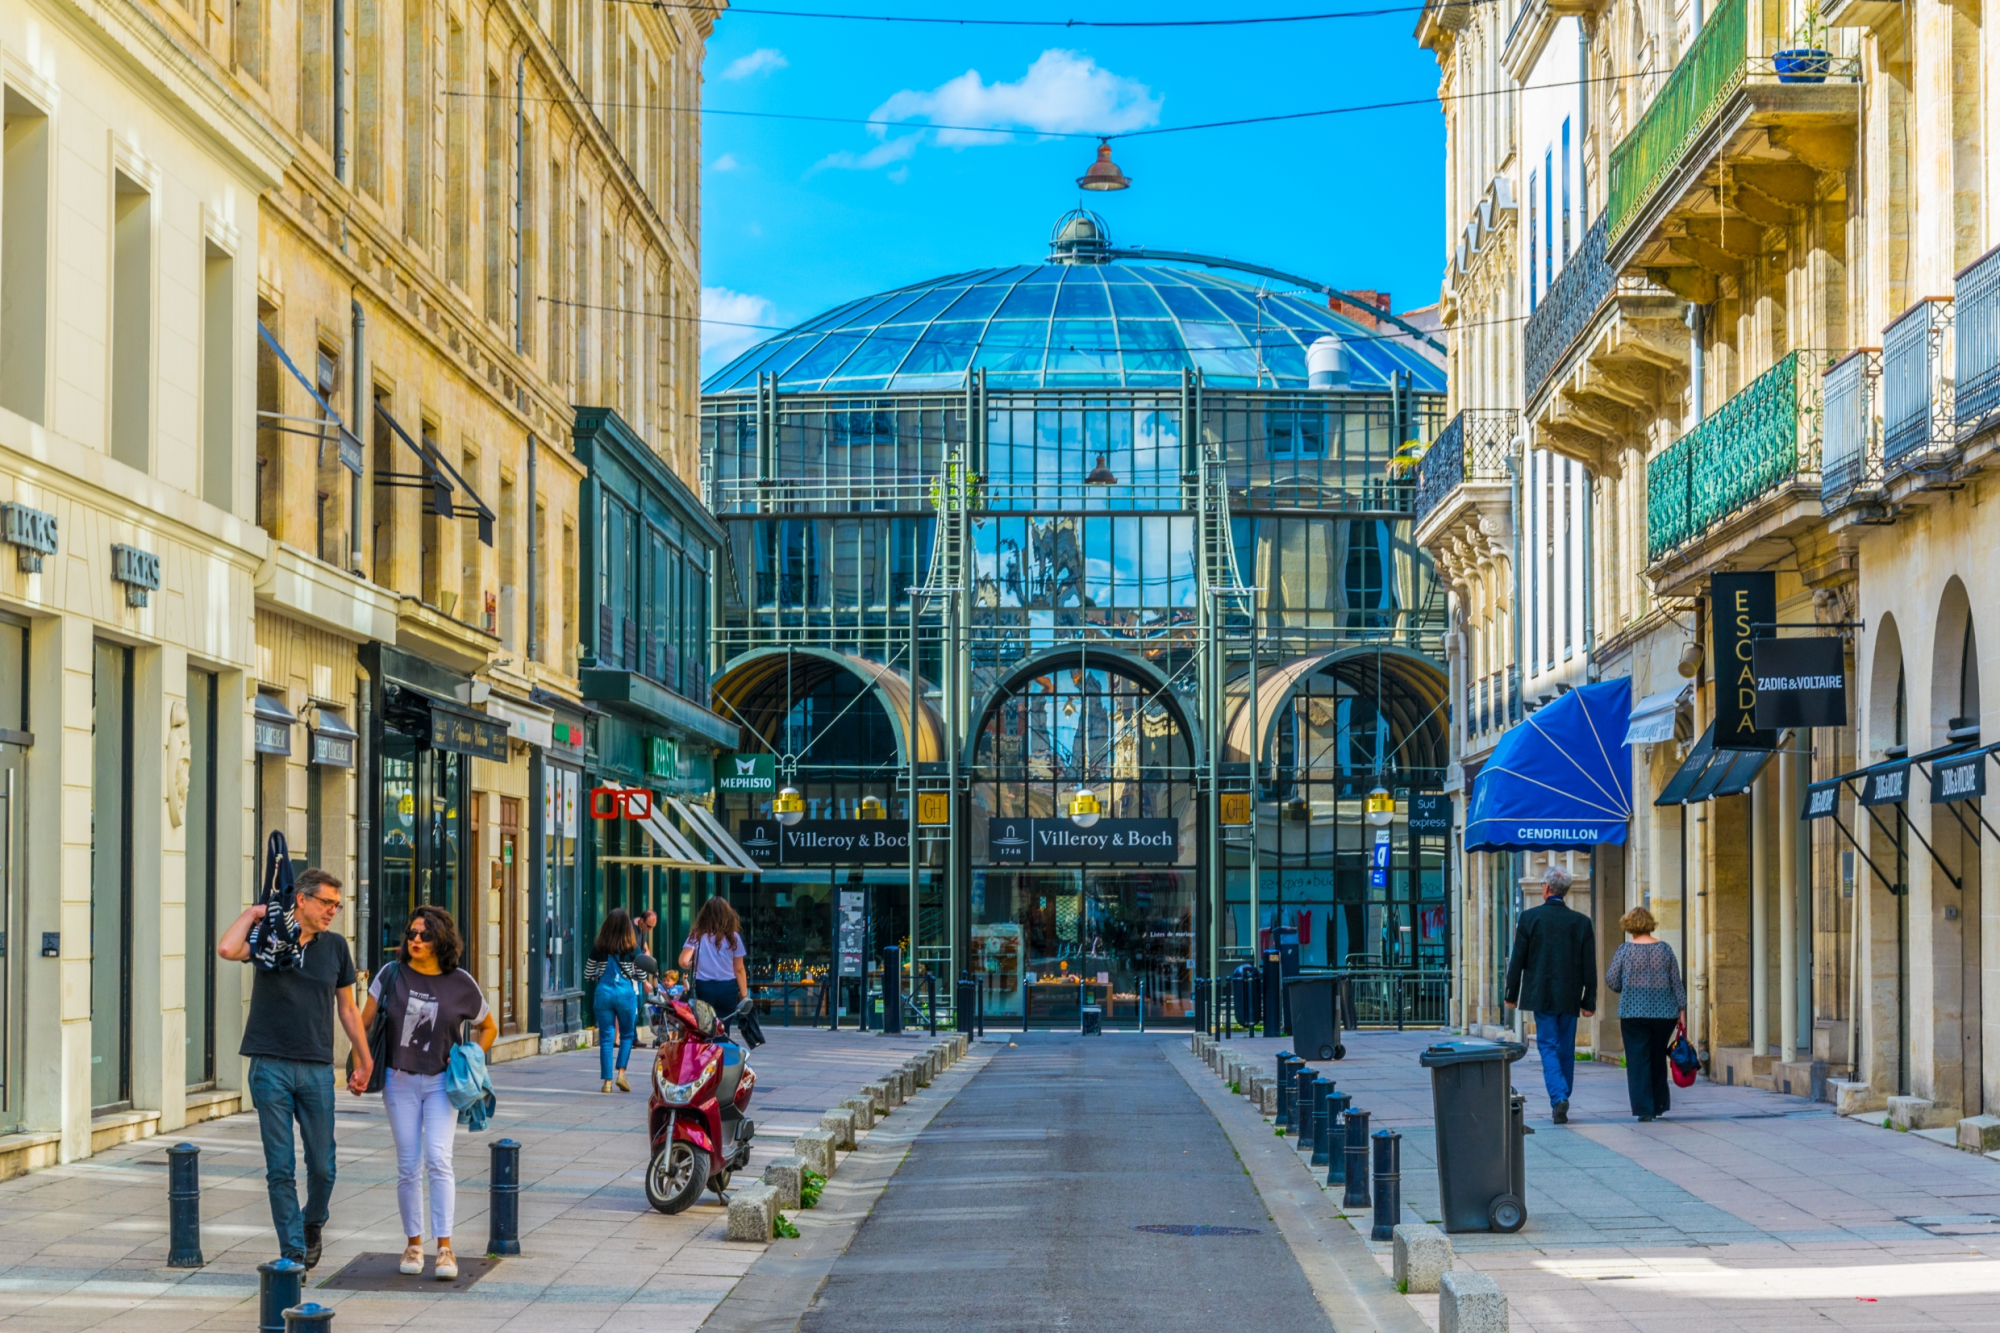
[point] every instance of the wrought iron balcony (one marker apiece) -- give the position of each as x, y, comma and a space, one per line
1717, 65
1976, 360
1765, 438
1566, 310
1919, 430
1473, 446
1851, 452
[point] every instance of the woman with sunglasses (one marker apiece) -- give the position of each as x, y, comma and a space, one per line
427, 997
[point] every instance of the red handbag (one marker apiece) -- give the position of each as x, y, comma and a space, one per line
1682, 1060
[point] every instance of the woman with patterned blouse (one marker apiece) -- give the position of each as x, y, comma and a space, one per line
1652, 1004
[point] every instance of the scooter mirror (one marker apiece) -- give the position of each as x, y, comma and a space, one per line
747, 1006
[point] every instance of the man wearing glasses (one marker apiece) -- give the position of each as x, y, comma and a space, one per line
289, 1039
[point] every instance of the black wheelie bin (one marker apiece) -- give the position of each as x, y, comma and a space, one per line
1313, 1002
1479, 1143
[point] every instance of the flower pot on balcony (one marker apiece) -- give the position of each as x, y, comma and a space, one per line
1803, 64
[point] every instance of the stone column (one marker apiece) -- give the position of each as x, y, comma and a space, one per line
1786, 827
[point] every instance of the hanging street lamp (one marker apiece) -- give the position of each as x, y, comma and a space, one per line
1104, 173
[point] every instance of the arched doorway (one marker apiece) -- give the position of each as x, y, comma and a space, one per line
1957, 1000
1329, 728
1063, 915
841, 729
1888, 1045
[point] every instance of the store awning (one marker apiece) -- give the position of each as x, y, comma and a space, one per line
677, 852
349, 444
272, 725
1560, 778
524, 722
1653, 716
1707, 773
440, 478
719, 842
333, 741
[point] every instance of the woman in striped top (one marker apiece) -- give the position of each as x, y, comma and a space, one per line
1652, 1004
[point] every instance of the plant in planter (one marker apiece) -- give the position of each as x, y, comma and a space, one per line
1808, 60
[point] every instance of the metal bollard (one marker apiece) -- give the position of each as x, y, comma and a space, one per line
1336, 1146
1286, 1060
966, 1003
930, 1000
1388, 1184
280, 1284
1322, 1122
1302, 1104
1357, 1161
503, 1210
184, 1206
892, 989
312, 1317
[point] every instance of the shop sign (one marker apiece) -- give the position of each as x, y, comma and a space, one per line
1378, 868
1822, 800
1235, 808
1887, 786
1959, 779
31, 533
934, 807
567, 736
825, 842
1740, 601
1800, 682
334, 751
1430, 812
750, 773
662, 758
138, 570
271, 726
469, 734
1064, 842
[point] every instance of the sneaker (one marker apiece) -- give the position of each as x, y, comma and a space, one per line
447, 1265
312, 1244
609, 1086
623, 1086
1561, 1110
413, 1261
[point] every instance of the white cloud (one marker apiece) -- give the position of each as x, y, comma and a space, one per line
727, 162
1062, 92
881, 155
761, 61
740, 320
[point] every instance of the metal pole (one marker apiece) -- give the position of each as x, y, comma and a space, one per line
503, 1207
1337, 1104
184, 1206
1356, 1123
1388, 1184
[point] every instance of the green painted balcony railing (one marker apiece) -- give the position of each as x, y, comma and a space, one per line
1761, 440
1712, 69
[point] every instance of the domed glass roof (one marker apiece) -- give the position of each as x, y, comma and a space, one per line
1069, 325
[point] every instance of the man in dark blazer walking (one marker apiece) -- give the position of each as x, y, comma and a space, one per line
1553, 975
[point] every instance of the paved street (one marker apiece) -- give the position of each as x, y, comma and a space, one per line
1021, 1207
1754, 1209
84, 1246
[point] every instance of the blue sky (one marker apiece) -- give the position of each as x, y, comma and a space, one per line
799, 216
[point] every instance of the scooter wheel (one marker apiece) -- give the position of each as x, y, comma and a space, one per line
676, 1176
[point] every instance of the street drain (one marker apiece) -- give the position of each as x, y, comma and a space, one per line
1196, 1229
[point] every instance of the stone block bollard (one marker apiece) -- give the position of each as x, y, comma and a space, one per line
1913, 1113
752, 1210
787, 1176
878, 1093
1470, 1302
815, 1148
839, 1123
1267, 1099
864, 1111
1979, 1133
1422, 1256
920, 1072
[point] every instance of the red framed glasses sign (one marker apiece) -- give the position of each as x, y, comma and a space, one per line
620, 803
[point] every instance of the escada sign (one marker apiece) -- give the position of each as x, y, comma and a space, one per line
1064, 842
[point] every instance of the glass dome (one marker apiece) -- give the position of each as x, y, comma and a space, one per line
1070, 325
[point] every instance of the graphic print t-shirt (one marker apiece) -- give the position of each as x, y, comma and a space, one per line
425, 1015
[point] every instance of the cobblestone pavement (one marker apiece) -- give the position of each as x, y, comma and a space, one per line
84, 1246
1740, 1210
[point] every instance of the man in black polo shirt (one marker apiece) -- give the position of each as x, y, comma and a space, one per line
289, 1039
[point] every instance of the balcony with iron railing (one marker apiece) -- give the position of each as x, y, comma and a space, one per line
1738, 98
1759, 445
1472, 448
1976, 355
1919, 429
1851, 440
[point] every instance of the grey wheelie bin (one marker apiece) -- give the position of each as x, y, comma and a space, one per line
1479, 1134
1315, 1010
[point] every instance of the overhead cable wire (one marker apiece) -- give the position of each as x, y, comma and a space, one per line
940, 20
877, 121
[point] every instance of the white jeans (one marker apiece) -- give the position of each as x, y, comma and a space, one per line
422, 1121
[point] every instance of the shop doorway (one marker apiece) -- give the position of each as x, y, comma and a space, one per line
425, 842
111, 878
507, 869
14, 744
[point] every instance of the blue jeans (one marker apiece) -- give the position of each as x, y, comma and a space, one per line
287, 1091
1555, 1038
617, 1012
721, 996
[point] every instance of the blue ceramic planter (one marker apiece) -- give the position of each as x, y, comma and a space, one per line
1803, 64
